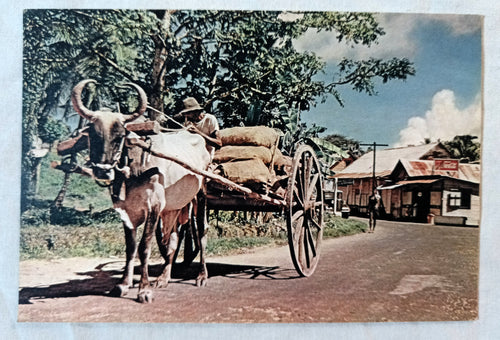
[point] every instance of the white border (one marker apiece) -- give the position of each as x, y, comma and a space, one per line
488, 325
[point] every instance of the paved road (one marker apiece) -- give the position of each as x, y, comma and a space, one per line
402, 272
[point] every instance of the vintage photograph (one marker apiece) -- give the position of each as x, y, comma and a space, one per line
239, 166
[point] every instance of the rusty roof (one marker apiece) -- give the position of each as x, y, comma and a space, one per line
406, 182
387, 159
418, 181
466, 171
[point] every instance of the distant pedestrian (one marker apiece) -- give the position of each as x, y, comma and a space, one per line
374, 205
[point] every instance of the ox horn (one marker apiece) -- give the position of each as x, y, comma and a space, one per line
76, 99
143, 102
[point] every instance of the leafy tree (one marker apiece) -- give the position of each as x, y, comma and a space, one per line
241, 65
465, 148
345, 143
60, 48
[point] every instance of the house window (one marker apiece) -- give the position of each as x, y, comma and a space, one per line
455, 199
460, 199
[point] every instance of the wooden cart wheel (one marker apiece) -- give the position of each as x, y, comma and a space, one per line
304, 212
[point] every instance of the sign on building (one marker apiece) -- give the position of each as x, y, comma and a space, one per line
446, 164
345, 181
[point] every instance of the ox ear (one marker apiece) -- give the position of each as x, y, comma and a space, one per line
143, 102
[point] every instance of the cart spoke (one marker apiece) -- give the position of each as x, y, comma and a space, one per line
297, 214
305, 242
296, 194
298, 229
311, 241
312, 186
308, 168
299, 239
316, 223
303, 186
306, 163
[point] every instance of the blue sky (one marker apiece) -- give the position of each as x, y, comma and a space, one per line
442, 100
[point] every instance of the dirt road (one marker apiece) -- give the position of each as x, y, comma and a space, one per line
402, 272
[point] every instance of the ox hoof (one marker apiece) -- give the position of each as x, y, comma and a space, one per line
160, 283
201, 281
145, 296
119, 291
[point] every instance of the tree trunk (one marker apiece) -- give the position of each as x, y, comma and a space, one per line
58, 202
159, 66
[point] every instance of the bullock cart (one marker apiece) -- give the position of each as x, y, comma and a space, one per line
297, 193
153, 192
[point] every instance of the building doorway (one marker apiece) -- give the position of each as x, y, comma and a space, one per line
421, 205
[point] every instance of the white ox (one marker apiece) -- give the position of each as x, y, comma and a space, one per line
145, 189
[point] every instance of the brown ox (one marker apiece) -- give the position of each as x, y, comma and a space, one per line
144, 188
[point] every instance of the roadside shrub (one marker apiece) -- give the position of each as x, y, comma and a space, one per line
43, 214
337, 226
35, 216
99, 234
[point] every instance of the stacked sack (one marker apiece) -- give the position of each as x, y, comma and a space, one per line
246, 156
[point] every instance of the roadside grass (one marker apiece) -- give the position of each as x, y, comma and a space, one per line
101, 235
86, 225
336, 227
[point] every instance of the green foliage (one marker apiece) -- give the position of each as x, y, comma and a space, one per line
360, 74
62, 46
337, 226
83, 193
348, 144
464, 147
53, 130
51, 241
241, 65
41, 214
105, 238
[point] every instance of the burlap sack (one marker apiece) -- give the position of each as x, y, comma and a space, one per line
247, 172
242, 152
249, 135
282, 162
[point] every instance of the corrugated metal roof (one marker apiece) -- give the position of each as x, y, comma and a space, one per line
467, 172
418, 181
406, 182
387, 159
362, 174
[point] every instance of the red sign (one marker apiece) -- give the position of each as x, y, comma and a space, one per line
446, 164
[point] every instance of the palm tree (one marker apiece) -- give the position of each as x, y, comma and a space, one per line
464, 148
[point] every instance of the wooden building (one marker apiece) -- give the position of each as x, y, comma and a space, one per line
356, 180
426, 191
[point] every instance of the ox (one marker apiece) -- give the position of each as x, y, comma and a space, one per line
146, 190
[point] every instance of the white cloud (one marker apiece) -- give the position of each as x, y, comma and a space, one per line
459, 24
397, 42
443, 121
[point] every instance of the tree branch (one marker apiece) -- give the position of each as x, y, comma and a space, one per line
115, 66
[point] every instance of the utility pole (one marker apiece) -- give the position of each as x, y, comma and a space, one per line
374, 145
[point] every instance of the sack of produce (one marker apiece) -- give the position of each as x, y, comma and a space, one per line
247, 172
249, 135
242, 152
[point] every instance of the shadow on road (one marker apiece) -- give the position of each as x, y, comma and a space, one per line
102, 280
